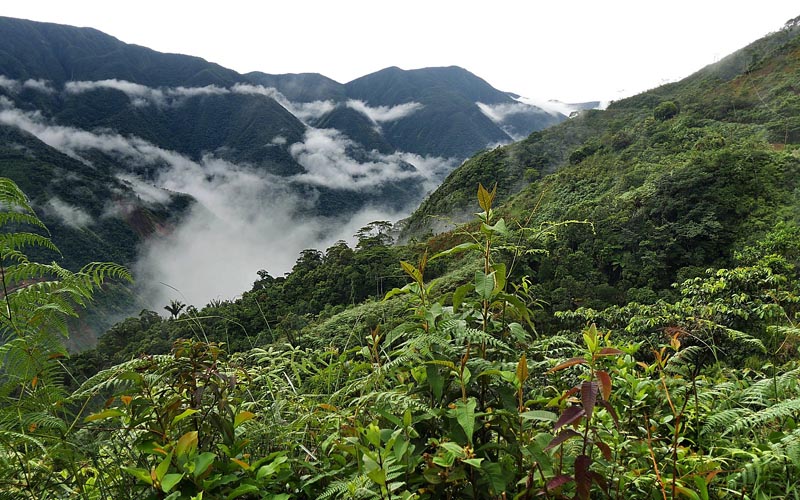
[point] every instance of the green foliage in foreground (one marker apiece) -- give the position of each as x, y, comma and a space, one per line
460, 400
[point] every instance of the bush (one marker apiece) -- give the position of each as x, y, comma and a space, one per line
665, 111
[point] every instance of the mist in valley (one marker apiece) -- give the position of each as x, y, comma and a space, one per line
244, 219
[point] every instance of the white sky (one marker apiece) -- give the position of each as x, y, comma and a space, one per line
572, 50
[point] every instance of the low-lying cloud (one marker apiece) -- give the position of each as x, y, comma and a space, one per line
304, 111
325, 155
498, 113
142, 95
380, 114
15, 86
245, 219
557, 107
70, 215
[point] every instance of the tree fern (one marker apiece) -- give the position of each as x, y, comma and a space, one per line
36, 299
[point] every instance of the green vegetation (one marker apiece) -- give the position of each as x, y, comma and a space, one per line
621, 322
451, 393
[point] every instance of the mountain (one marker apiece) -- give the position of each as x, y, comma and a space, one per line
669, 182
446, 112
57, 53
135, 150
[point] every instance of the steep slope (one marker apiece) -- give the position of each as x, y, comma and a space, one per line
73, 200
672, 180
754, 86
46, 51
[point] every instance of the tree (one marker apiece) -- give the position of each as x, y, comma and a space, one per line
665, 111
175, 307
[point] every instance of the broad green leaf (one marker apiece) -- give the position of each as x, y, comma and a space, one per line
702, 487
110, 413
436, 381
463, 247
453, 448
202, 462
373, 435
465, 416
497, 477
484, 285
590, 338
184, 414
187, 443
412, 271
272, 467
546, 416
686, 492
498, 228
475, 462
163, 467
140, 474
243, 489
374, 470
460, 293
169, 482
396, 291
499, 276
242, 417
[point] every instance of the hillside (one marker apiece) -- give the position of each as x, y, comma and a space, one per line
224, 153
618, 319
751, 87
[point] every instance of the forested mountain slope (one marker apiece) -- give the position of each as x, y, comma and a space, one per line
673, 180
754, 86
622, 323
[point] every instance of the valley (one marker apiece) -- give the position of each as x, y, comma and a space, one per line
603, 305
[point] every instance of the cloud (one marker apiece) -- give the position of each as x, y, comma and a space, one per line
557, 107
70, 215
245, 219
325, 155
40, 85
142, 95
9, 84
15, 86
147, 192
498, 113
382, 114
302, 110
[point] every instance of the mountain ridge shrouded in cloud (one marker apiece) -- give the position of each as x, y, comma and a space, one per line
215, 174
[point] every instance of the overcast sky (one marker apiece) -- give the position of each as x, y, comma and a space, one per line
571, 50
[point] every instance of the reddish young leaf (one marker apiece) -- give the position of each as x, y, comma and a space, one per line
605, 383
567, 364
583, 481
570, 393
599, 480
558, 481
563, 436
588, 396
570, 415
604, 449
610, 351
605, 404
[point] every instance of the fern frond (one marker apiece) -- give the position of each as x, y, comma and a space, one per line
782, 410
